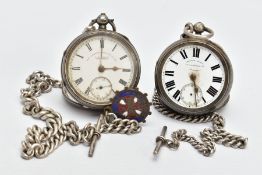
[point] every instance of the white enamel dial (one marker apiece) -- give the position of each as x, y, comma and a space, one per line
99, 66
193, 76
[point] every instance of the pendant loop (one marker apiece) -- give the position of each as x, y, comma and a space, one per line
102, 20
196, 30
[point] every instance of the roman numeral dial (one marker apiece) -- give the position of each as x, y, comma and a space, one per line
79, 81
76, 68
212, 91
170, 85
100, 65
217, 66
183, 54
169, 73
217, 79
192, 76
176, 94
89, 47
196, 52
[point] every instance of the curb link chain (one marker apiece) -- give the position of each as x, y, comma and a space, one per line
40, 142
209, 136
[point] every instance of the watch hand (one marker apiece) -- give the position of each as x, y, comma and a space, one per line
101, 67
196, 90
193, 78
101, 56
101, 52
113, 68
101, 87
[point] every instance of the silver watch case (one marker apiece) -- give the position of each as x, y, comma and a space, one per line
221, 100
69, 92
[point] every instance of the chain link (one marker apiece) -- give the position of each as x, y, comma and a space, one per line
208, 136
122, 126
40, 142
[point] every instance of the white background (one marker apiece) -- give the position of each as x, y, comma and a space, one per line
33, 36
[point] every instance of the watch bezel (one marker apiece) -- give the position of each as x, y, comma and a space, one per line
222, 98
70, 92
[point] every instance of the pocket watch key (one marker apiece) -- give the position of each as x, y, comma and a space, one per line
100, 71
193, 79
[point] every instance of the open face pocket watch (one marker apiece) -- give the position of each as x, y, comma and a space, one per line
100, 71
193, 79
97, 64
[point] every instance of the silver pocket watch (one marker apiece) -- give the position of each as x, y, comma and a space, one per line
193, 79
193, 76
97, 64
100, 70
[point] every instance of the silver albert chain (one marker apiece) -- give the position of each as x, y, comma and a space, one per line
40, 142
